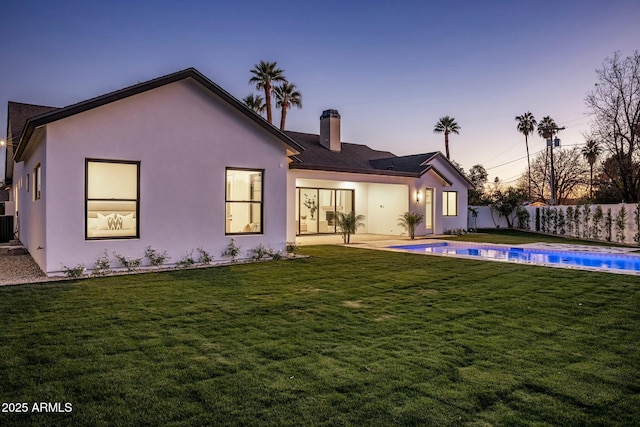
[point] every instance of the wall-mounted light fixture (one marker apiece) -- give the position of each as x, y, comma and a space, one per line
418, 196
6, 144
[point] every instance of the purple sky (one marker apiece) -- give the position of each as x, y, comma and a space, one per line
390, 68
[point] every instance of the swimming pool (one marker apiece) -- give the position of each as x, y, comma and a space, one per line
603, 261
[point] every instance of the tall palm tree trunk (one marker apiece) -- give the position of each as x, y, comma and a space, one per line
526, 142
267, 101
283, 117
446, 144
590, 180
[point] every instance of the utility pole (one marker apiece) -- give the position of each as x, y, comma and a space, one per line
551, 142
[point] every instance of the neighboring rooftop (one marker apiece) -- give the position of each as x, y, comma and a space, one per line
18, 113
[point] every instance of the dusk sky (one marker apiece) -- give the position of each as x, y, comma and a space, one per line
391, 68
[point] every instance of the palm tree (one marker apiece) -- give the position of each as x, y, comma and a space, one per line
547, 127
264, 75
287, 96
348, 223
409, 221
590, 152
526, 125
255, 102
446, 125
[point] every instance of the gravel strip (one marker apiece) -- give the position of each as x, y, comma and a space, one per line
17, 269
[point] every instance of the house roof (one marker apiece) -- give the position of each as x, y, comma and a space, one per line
352, 157
357, 158
190, 73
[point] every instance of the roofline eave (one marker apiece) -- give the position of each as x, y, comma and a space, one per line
380, 172
89, 104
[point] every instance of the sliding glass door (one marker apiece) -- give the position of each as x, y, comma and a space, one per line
317, 209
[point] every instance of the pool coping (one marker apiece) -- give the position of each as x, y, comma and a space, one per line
385, 245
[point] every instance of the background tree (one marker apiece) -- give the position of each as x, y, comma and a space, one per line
287, 96
447, 125
478, 177
505, 203
255, 102
264, 75
615, 107
571, 176
609, 181
590, 152
526, 126
547, 127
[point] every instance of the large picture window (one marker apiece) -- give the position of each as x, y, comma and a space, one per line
112, 199
244, 201
450, 203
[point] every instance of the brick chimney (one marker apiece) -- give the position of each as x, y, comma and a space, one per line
330, 130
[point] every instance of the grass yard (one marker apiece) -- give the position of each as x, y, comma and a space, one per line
346, 337
512, 236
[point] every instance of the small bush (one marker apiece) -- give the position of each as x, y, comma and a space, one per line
204, 257
131, 264
608, 225
186, 261
636, 221
275, 255
232, 251
544, 215
586, 217
73, 272
102, 265
523, 218
292, 248
156, 259
596, 224
569, 220
455, 232
621, 224
576, 221
561, 222
259, 252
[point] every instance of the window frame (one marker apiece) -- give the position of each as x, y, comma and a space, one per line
228, 201
300, 203
37, 182
446, 206
87, 200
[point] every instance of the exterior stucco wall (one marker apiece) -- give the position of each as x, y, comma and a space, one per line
184, 137
29, 215
444, 223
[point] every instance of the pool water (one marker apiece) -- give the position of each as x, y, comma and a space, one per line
593, 260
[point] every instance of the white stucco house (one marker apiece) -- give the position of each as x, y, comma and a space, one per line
177, 163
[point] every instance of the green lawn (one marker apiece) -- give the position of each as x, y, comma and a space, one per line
346, 337
512, 236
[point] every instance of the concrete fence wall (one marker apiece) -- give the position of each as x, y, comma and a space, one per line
488, 219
